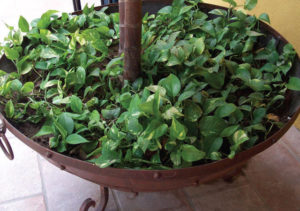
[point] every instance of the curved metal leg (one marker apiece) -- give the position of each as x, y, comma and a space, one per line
91, 203
103, 199
6, 148
232, 175
87, 204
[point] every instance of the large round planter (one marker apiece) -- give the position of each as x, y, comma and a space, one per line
159, 180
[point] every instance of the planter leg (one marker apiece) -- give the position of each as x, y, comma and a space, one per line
233, 174
91, 203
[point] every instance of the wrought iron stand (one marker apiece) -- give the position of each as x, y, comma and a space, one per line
91, 203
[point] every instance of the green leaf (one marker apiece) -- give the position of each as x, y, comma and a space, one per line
80, 75
212, 144
16, 85
143, 143
176, 157
48, 53
156, 104
53, 142
165, 10
9, 109
23, 24
24, 67
231, 2
154, 88
225, 110
155, 130
160, 131
76, 104
171, 112
171, 84
209, 28
45, 20
258, 115
66, 122
107, 158
254, 34
46, 129
125, 99
76, 139
111, 113
185, 95
11, 53
229, 131
264, 17
60, 129
219, 12
134, 127
116, 135
27, 87
147, 107
199, 45
250, 4
294, 84
243, 73
94, 116
240, 137
211, 126
190, 153
257, 84
192, 111
177, 130
215, 79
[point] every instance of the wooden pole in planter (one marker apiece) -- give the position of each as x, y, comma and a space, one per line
130, 37
121, 25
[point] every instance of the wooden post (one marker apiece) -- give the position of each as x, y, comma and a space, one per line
121, 25
131, 37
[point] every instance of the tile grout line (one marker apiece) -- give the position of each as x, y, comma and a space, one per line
291, 152
44, 191
189, 200
115, 199
257, 193
20, 198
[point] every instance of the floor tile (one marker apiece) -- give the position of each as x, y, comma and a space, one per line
66, 192
275, 175
29, 204
216, 186
292, 140
234, 199
157, 201
20, 177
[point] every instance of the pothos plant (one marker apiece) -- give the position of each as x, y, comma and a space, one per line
209, 87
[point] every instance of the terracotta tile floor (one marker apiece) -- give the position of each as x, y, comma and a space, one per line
29, 183
271, 182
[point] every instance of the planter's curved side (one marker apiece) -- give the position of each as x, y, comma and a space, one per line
158, 180
149, 180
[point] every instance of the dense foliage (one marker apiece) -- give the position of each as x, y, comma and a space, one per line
208, 88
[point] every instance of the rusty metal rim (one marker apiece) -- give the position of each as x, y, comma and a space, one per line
77, 167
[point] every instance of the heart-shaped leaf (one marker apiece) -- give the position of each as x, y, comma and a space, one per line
171, 84
294, 84
190, 153
76, 104
66, 122
177, 130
